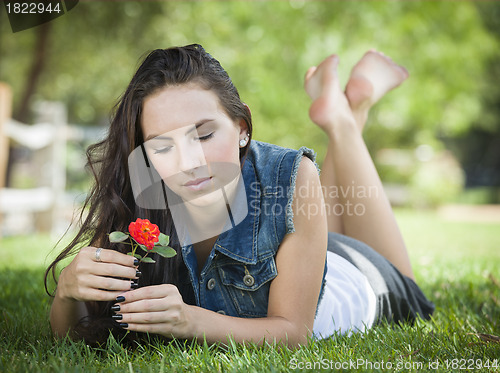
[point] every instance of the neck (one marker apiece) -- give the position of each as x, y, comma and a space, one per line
207, 220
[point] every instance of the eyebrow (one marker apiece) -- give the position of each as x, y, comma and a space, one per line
196, 126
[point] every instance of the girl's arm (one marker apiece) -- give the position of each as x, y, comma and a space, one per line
293, 293
86, 279
65, 314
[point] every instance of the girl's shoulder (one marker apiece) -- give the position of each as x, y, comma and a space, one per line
270, 171
273, 157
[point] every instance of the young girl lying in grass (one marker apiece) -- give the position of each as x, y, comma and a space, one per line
266, 249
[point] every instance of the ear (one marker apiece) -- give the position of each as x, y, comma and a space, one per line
248, 109
243, 124
243, 128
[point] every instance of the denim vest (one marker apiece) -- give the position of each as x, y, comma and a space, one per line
236, 277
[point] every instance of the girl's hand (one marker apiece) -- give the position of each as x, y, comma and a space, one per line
155, 309
87, 279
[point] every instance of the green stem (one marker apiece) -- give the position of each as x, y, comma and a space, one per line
134, 247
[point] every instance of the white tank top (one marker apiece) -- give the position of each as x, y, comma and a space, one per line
348, 303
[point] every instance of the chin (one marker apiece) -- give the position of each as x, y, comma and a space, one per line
207, 200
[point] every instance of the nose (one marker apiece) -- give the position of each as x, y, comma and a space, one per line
190, 157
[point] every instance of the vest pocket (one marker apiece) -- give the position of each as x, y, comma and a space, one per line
248, 285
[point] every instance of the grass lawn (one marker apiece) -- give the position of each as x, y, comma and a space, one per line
456, 263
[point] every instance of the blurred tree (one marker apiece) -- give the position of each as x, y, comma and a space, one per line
266, 48
478, 149
36, 69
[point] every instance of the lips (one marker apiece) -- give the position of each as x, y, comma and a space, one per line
197, 184
197, 181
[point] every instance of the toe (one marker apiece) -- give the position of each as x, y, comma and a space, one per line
310, 72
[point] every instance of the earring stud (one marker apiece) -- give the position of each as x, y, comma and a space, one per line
244, 141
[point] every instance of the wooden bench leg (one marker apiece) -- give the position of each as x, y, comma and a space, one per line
5, 113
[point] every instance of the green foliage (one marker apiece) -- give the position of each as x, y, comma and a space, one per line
117, 236
436, 182
451, 50
267, 47
165, 251
163, 239
480, 195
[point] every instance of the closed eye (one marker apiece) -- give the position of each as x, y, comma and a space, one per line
162, 150
167, 148
206, 137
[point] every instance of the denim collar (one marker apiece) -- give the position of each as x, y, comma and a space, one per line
230, 243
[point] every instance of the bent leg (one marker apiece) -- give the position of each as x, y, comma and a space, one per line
319, 84
349, 166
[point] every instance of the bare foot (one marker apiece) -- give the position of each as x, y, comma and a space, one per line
330, 105
371, 78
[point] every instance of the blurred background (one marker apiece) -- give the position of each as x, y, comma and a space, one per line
435, 140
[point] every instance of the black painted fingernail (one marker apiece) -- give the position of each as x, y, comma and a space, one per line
134, 285
117, 317
115, 308
124, 325
120, 299
136, 262
138, 273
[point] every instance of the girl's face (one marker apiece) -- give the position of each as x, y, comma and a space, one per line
191, 141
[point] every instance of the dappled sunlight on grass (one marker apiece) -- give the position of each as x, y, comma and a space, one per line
30, 251
430, 237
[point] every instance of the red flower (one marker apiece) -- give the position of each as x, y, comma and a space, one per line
144, 232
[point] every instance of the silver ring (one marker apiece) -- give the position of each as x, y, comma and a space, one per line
98, 254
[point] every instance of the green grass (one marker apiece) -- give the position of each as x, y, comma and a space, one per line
456, 263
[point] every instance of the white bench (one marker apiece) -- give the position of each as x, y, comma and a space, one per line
46, 143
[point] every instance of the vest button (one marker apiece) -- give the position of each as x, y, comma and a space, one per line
248, 280
221, 312
211, 284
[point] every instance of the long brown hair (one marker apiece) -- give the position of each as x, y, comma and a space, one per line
110, 204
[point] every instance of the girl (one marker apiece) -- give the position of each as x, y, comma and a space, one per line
255, 260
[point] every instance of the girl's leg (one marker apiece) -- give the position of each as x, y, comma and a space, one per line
371, 78
366, 212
